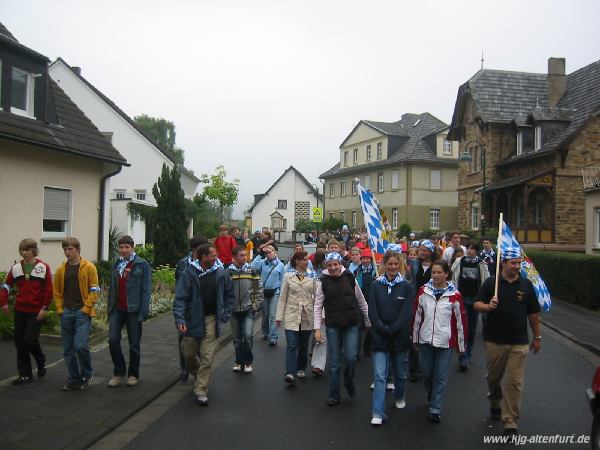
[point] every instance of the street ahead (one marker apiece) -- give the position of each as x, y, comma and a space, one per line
259, 411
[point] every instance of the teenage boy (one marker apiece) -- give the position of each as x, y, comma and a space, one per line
203, 300
128, 305
75, 293
33, 281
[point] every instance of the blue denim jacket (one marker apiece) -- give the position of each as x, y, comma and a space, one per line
139, 288
188, 308
270, 277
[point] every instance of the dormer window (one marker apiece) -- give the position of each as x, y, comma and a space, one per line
379, 150
368, 153
524, 140
538, 138
345, 157
355, 156
21, 88
447, 147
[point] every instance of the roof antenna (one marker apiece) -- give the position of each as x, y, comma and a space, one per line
482, 59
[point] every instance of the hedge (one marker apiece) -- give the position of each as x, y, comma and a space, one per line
569, 276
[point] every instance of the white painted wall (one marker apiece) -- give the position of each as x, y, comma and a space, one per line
290, 187
145, 159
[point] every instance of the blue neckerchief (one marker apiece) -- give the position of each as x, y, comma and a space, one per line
489, 253
245, 267
196, 264
353, 267
123, 263
366, 269
473, 260
272, 262
440, 291
390, 284
309, 273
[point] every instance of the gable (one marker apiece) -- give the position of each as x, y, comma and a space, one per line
361, 133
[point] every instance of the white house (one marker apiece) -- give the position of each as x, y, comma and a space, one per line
289, 199
133, 184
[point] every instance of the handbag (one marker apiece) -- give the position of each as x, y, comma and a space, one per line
268, 293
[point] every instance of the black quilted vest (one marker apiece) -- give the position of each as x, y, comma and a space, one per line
341, 306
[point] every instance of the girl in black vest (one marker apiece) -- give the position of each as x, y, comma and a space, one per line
341, 298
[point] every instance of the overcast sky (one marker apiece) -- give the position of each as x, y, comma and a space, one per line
261, 85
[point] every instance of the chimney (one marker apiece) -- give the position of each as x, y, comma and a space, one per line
77, 70
557, 80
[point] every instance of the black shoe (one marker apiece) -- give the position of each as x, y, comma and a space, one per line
72, 386
463, 367
495, 413
41, 372
435, 418
332, 401
86, 383
511, 432
351, 391
184, 376
290, 379
202, 400
21, 380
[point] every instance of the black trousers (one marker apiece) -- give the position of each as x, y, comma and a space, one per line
27, 341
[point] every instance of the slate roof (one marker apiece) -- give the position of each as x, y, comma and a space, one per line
259, 197
414, 148
128, 119
503, 97
67, 129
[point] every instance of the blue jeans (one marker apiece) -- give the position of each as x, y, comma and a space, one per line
336, 338
131, 321
242, 331
472, 317
435, 363
296, 352
381, 362
75, 329
269, 329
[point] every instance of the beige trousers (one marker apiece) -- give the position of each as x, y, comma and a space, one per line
199, 355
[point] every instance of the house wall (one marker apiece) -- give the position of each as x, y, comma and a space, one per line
24, 172
592, 224
290, 187
363, 136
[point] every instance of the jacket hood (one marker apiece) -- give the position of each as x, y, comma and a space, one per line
326, 272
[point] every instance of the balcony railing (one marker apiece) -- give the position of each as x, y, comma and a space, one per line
591, 177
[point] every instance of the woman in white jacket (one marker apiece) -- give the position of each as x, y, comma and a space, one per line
439, 327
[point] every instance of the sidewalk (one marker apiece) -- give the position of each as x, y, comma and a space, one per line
40, 415
577, 323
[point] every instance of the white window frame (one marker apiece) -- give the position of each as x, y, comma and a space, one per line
332, 190
395, 180
140, 194
432, 187
369, 155
379, 150
353, 219
120, 194
345, 157
367, 183
281, 204
29, 93
284, 223
434, 218
474, 216
342, 188
538, 138
519, 142
55, 235
380, 181
394, 218
332, 215
354, 188
355, 156
446, 147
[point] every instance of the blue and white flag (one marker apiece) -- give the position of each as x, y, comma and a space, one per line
506, 240
372, 218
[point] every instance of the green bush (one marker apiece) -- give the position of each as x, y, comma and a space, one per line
404, 230
103, 268
569, 276
146, 252
163, 276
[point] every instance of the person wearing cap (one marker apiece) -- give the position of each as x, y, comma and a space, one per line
505, 336
340, 297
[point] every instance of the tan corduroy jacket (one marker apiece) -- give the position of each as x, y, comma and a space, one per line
296, 302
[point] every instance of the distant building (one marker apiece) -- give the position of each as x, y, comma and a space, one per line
54, 163
133, 184
289, 199
537, 131
409, 165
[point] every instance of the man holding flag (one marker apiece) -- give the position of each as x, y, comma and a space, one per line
510, 303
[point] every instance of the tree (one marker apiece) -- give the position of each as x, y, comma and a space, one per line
221, 193
170, 218
206, 219
162, 132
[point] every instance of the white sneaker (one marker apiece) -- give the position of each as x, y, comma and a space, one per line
132, 381
389, 387
237, 368
372, 386
376, 421
248, 369
400, 404
301, 374
115, 381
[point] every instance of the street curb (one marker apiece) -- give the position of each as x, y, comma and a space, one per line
117, 419
587, 345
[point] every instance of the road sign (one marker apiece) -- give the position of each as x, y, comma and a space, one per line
317, 215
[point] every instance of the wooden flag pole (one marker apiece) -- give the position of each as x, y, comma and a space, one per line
498, 251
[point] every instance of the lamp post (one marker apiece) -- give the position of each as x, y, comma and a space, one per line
470, 146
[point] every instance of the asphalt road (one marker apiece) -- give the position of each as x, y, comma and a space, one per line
259, 411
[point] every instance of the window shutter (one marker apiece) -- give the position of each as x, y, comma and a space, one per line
57, 204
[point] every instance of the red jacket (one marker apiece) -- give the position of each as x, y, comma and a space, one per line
224, 245
33, 291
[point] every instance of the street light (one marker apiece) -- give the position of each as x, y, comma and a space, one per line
470, 146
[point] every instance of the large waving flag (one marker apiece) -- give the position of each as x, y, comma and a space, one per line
505, 240
372, 219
